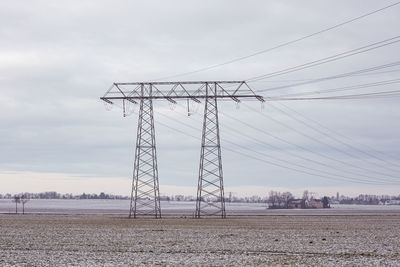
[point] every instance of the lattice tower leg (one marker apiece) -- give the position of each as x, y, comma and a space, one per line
145, 197
210, 190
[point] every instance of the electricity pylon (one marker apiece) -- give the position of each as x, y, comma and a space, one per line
145, 197
210, 189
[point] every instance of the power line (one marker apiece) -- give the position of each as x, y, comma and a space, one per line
343, 136
304, 148
293, 169
354, 180
281, 45
286, 152
321, 126
338, 89
296, 164
323, 143
333, 138
299, 165
316, 153
310, 79
259, 141
385, 94
262, 142
338, 76
321, 61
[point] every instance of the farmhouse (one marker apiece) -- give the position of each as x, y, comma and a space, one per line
316, 204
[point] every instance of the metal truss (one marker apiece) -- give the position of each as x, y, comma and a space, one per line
145, 199
173, 91
210, 190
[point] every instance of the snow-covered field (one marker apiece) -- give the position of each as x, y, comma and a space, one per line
121, 207
99, 240
110, 206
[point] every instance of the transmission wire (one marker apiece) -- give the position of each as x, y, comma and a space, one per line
354, 180
333, 138
281, 45
337, 76
324, 60
302, 166
320, 154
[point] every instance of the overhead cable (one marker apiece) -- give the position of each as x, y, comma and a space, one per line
354, 180
333, 77
324, 60
283, 44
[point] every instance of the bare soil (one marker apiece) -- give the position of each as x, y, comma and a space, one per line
93, 240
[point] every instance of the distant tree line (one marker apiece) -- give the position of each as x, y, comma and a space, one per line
55, 195
286, 200
273, 199
364, 199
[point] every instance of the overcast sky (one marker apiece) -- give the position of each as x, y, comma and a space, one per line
58, 57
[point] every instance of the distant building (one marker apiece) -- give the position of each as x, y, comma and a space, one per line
300, 204
392, 202
297, 204
316, 204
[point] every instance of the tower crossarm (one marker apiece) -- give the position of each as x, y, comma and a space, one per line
172, 91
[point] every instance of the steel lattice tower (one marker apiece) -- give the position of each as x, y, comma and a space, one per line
210, 190
145, 196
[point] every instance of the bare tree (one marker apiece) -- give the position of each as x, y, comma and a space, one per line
17, 200
325, 202
273, 199
287, 196
24, 200
305, 195
230, 197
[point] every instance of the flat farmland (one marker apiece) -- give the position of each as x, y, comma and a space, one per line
98, 240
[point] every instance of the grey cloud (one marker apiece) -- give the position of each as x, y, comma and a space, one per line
57, 58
